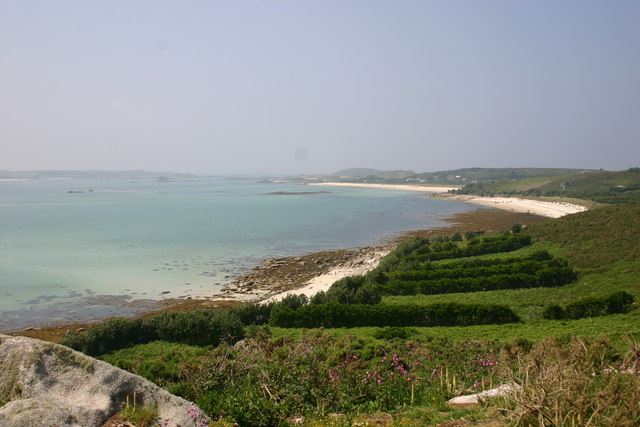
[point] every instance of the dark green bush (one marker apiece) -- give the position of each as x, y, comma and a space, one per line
617, 302
111, 335
334, 315
194, 328
554, 312
393, 332
350, 290
202, 327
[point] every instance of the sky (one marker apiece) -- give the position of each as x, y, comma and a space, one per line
304, 87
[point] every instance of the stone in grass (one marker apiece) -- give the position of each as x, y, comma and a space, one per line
49, 384
477, 398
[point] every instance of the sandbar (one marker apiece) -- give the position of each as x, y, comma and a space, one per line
404, 187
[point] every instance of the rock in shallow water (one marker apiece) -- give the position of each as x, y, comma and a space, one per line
49, 384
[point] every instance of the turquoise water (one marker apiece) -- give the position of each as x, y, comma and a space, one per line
99, 251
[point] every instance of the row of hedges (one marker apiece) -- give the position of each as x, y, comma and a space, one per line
420, 250
540, 255
201, 327
456, 272
335, 315
547, 277
475, 247
617, 302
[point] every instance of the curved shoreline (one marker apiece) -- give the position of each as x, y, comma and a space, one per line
517, 204
308, 273
514, 204
403, 187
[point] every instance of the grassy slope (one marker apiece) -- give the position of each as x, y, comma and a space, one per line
601, 186
601, 244
451, 177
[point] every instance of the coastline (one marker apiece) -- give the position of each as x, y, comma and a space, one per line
404, 187
514, 204
308, 273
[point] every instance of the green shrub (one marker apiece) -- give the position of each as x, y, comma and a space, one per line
617, 302
350, 290
195, 328
334, 315
553, 312
111, 335
202, 327
392, 332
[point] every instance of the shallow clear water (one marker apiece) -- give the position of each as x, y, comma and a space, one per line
78, 256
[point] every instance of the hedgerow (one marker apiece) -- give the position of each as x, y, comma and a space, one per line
617, 302
547, 277
335, 315
201, 327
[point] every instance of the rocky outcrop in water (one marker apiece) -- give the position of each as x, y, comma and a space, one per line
48, 384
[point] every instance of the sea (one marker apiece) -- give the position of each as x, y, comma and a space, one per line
82, 249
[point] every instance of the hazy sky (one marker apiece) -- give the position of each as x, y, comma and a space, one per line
294, 86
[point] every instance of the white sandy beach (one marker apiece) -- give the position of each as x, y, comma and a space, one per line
405, 187
536, 207
324, 281
515, 204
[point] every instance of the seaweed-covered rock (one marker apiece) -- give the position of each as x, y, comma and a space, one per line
49, 384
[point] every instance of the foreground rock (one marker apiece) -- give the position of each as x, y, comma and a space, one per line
48, 384
477, 398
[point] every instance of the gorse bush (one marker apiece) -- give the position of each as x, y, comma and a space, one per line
335, 315
617, 302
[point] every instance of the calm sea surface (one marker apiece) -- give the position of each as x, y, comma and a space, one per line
87, 249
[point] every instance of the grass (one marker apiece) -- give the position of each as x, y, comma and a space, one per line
139, 416
282, 373
598, 186
158, 361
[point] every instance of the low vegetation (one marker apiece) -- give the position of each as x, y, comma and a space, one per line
598, 186
566, 289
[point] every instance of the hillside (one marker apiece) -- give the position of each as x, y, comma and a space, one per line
448, 177
479, 175
371, 174
599, 186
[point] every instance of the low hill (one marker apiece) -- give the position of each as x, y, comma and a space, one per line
449, 177
482, 175
595, 238
599, 186
371, 174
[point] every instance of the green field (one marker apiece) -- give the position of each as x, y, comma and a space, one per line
597, 186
